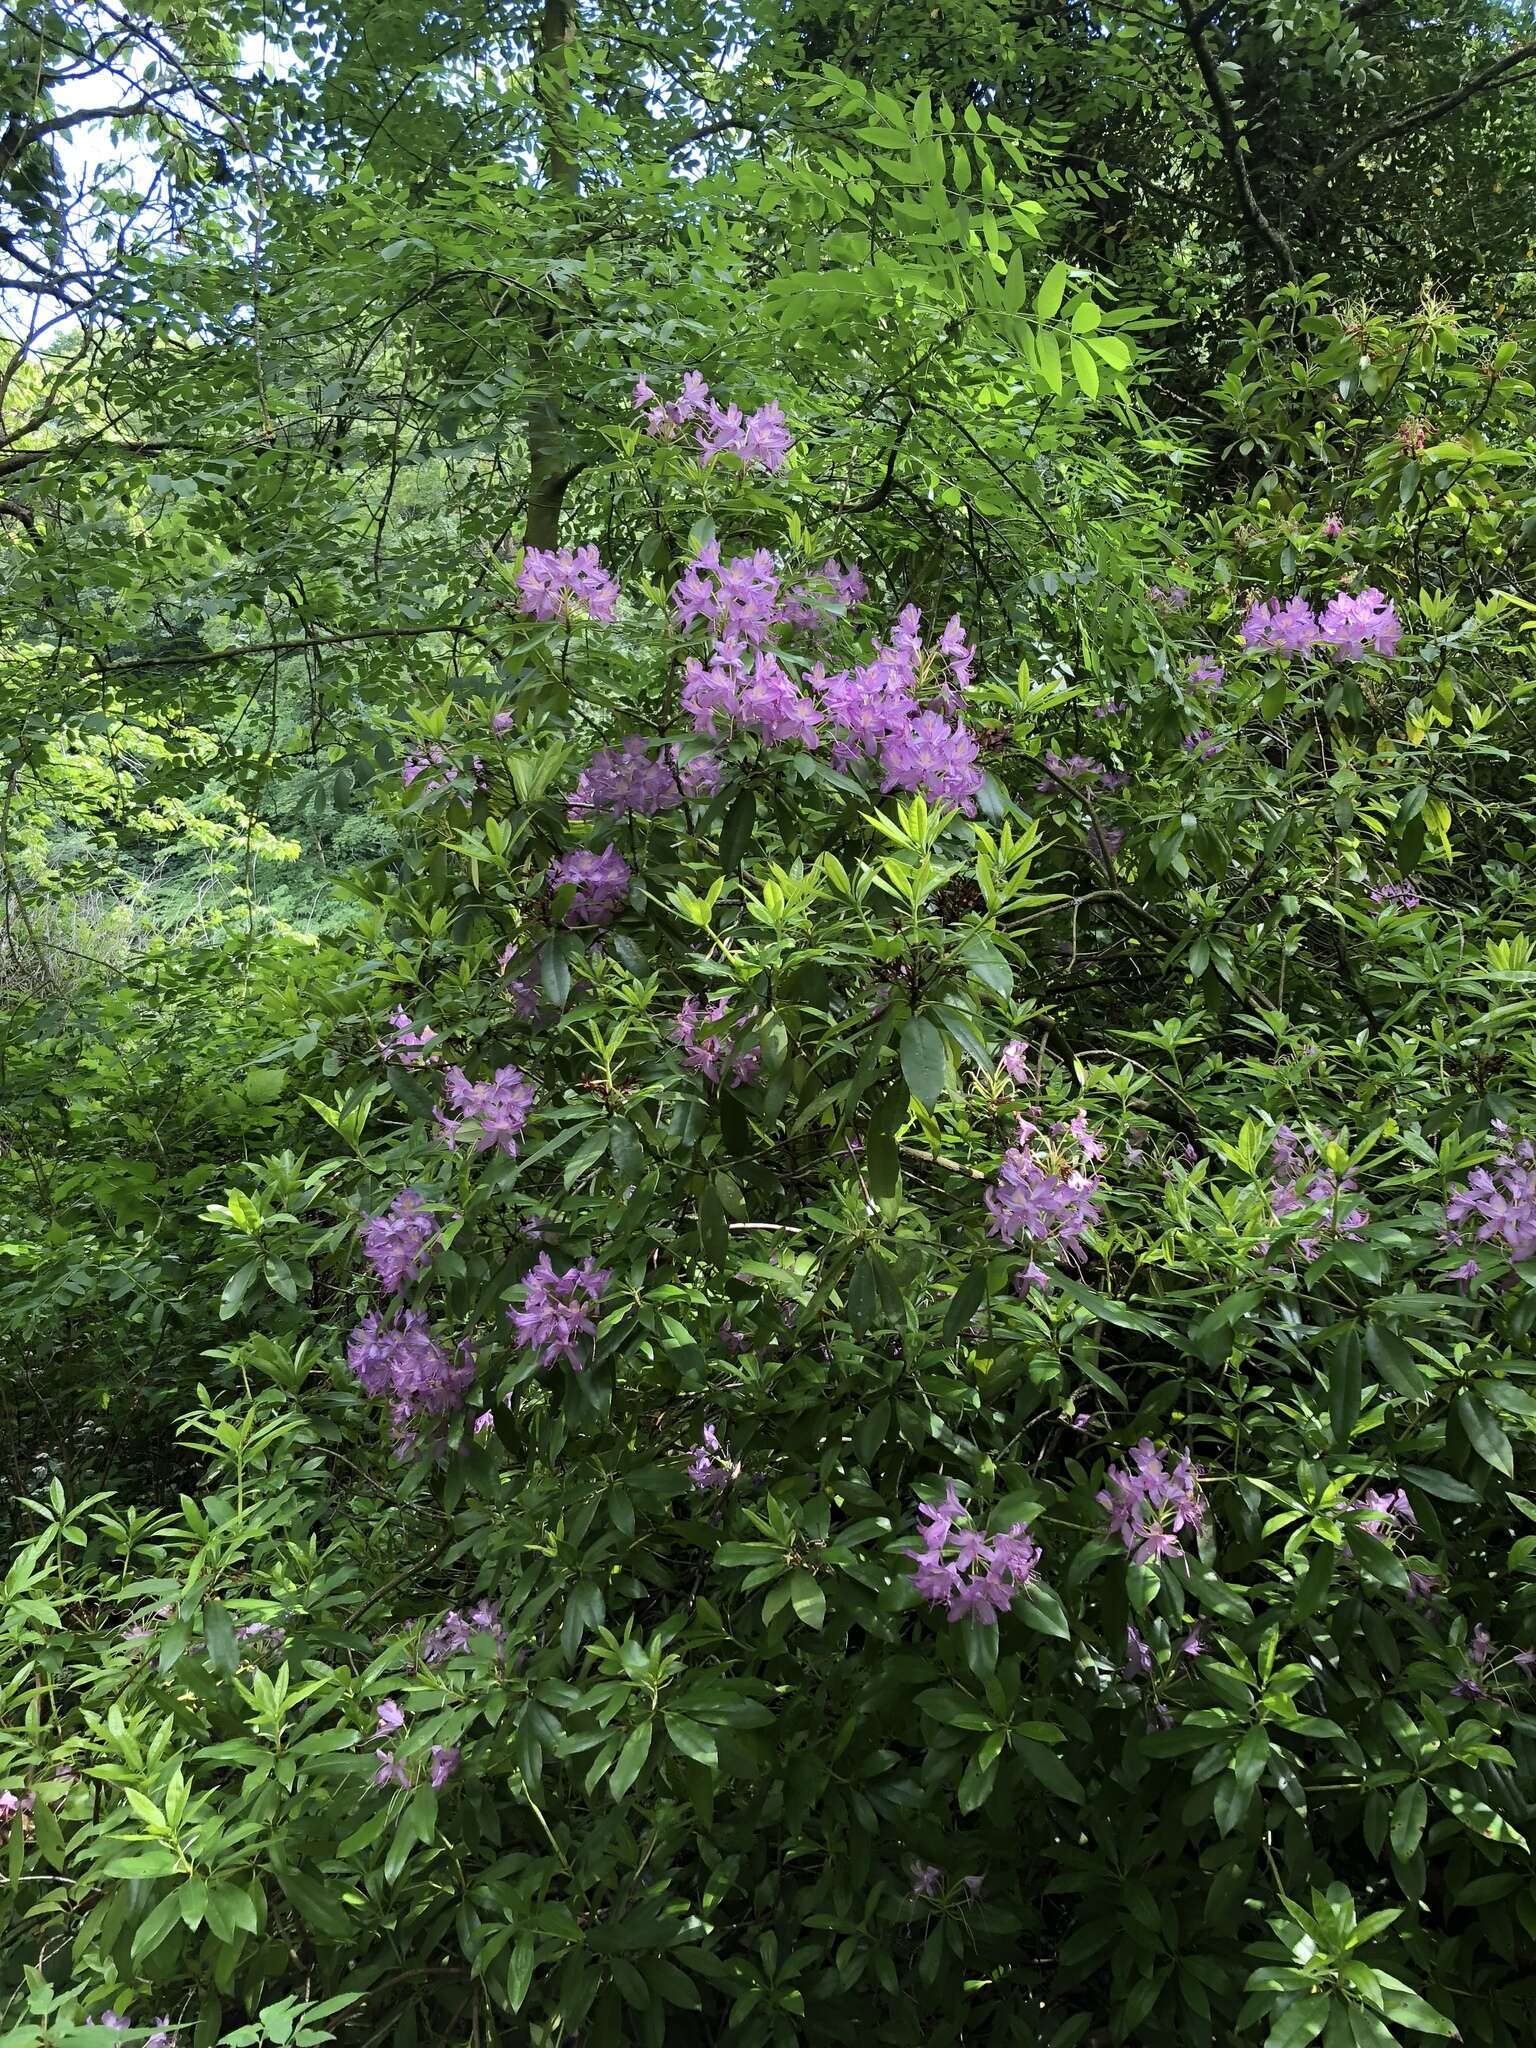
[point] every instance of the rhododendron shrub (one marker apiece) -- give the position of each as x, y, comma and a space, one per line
909, 1413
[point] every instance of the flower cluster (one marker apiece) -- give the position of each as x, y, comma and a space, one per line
397, 1243
556, 1319
1350, 625
565, 583
446, 1638
897, 712
714, 1054
748, 690
601, 881
1040, 1198
1078, 770
1384, 1512
1502, 1202
965, 1571
1303, 1182
1395, 896
402, 1362
164, 2035
631, 777
711, 1467
442, 1762
1153, 1505
495, 1110
1207, 675
408, 1047
761, 438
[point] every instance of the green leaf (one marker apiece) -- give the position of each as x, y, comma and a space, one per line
219, 1635
237, 1286
1052, 290
1040, 1609
1044, 1764
1085, 368
1300, 2022
1485, 1435
965, 1301
554, 973
637, 1747
924, 1064
808, 1600
1408, 1815
693, 1740
317, 1905
736, 834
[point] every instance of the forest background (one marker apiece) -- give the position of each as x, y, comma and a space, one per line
767, 1212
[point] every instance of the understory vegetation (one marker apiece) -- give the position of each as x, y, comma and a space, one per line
767, 1083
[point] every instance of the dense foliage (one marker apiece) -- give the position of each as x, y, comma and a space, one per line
767, 1196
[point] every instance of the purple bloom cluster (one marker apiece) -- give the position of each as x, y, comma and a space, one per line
1304, 1183
928, 1877
401, 1361
446, 1638
1151, 1506
1395, 896
739, 689
414, 766
398, 1242
601, 881
761, 438
496, 1110
1350, 625
714, 1054
557, 1311
711, 1467
1081, 771
565, 583
442, 1763
1384, 1512
632, 778
896, 712
1502, 1202
1210, 675
1045, 1201
407, 1045
164, 2035
1172, 597
965, 1571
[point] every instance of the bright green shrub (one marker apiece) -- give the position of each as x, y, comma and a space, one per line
588, 1695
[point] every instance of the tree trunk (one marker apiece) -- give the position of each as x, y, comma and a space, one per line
549, 473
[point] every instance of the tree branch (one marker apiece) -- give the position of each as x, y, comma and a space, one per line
1232, 143
1421, 115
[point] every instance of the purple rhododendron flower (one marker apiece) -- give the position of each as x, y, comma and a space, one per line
739, 599
1138, 1656
1042, 1202
390, 1718
401, 1361
1015, 1060
1289, 628
1502, 1200
1333, 526
445, 1761
714, 1054
556, 1318
495, 1110
565, 583
601, 882
1210, 675
1306, 1184
1078, 770
1355, 626
390, 1771
761, 439
711, 1467
398, 1242
738, 690
631, 778
1384, 1514
1154, 1505
964, 1571
407, 1046
1395, 896
926, 1879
